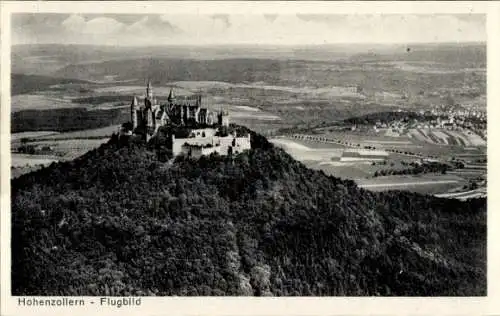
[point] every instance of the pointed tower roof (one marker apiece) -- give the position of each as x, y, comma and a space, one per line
171, 95
149, 90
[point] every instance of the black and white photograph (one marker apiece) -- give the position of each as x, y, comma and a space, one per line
193, 154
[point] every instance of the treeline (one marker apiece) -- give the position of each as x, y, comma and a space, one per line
99, 99
21, 83
416, 168
66, 119
118, 221
388, 117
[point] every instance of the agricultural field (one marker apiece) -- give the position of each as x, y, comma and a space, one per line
428, 184
104, 132
345, 170
318, 153
22, 160
304, 153
402, 143
447, 137
61, 146
16, 137
335, 159
39, 101
22, 163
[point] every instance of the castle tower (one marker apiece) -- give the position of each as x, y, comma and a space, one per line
171, 97
133, 113
149, 91
223, 118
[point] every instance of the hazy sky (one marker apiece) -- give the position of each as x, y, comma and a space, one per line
291, 29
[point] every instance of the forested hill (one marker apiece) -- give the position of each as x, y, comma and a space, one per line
117, 221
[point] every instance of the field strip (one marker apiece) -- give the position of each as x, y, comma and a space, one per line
436, 140
388, 142
18, 136
375, 185
417, 134
441, 136
462, 141
466, 194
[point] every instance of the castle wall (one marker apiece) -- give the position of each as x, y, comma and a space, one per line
178, 143
225, 143
209, 132
221, 145
198, 152
238, 144
242, 143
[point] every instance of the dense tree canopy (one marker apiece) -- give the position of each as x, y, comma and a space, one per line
119, 221
388, 117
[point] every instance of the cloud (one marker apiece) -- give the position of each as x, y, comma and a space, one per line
198, 26
152, 26
34, 28
289, 29
96, 26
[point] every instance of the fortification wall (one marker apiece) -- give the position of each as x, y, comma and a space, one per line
220, 145
177, 143
243, 143
209, 132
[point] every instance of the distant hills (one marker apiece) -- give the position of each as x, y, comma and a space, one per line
162, 70
119, 221
49, 59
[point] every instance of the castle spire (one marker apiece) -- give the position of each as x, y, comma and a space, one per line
149, 90
133, 113
171, 96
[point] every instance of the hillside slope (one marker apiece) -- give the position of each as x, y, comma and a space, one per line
117, 221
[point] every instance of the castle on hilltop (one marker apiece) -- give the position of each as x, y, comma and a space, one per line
207, 130
187, 111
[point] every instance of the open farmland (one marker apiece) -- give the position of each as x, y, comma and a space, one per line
332, 158
315, 151
22, 163
104, 132
16, 137
445, 137
344, 170
464, 195
22, 160
60, 150
304, 153
38, 101
428, 184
